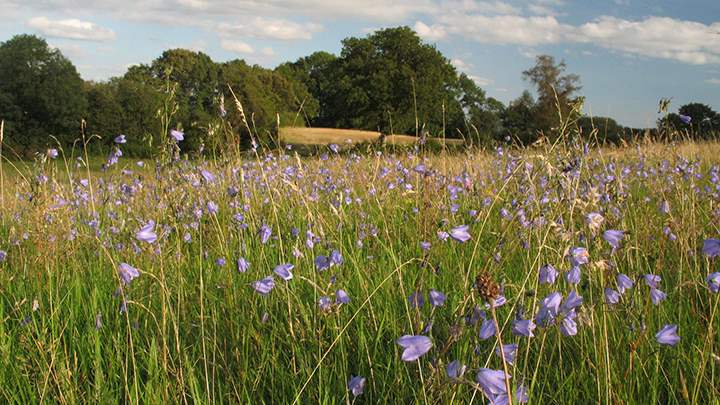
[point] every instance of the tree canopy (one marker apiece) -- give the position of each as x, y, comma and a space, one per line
389, 80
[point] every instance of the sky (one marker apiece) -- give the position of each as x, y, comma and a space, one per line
629, 53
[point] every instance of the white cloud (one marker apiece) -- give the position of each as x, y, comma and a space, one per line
460, 64
269, 52
430, 33
659, 37
70, 29
481, 81
270, 28
236, 46
713, 80
507, 29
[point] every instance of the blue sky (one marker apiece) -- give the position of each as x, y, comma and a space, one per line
628, 53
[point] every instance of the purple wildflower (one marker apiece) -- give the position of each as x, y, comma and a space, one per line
657, 296
652, 280
487, 329
324, 303
177, 135
713, 280
341, 297
624, 283
415, 346
265, 233
492, 382
686, 119
242, 265
120, 139
613, 237
578, 256
146, 234
509, 351
668, 335
711, 247
523, 327
548, 274
52, 153
573, 276
265, 285
356, 385
612, 297
460, 233
127, 273
437, 298
455, 370
283, 270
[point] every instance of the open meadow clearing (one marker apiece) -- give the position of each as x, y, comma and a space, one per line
365, 278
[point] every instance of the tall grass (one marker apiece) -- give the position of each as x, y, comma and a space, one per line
195, 330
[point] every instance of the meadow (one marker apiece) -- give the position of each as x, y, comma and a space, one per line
386, 277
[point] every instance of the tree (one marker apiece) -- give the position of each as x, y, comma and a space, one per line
704, 121
555, 90
389, 81
607, 129
518, 119
41, 94
314, 72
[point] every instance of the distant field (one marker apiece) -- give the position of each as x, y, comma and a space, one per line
327, 136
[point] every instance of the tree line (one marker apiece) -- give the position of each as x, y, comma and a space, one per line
389, 81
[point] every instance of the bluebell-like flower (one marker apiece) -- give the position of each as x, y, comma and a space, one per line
283, 270
668, 335
265, 285
657, 296
341, 297
415, 346
568, 326
120, 139
177, 135
613, 237
3, 256
509, 351
265, 233
612, 297
573, 276
624, 283
127, 273
549, 309
416, 300
523, 327
548, 274
146, 233
324, 303
594, 221
578, 256
437, 298
212, 207
492, 382
487, 329
713, 280
460, 233
455, 370
242, 265
356, 385
652, 280
711, 247
686, 119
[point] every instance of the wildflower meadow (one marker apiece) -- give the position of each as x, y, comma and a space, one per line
561, 273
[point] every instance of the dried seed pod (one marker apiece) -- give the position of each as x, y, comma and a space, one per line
487, 287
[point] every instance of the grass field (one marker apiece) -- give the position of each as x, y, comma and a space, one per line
277, 279
327, 136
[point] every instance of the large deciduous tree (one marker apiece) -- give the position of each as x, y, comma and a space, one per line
41, 94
